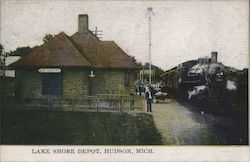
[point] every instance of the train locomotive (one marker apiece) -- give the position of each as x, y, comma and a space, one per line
201, 82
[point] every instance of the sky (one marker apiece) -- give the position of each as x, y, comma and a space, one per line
181, 30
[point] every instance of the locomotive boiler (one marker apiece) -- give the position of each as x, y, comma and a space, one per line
201, 81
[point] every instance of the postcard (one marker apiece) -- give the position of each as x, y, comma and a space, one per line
115, 80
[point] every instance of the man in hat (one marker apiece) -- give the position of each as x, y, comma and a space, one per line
148, 97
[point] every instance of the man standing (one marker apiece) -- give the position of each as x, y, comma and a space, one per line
148, 97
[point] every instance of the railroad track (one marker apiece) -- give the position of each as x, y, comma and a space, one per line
222, 120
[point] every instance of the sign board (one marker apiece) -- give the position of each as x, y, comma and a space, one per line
146, 72
49, 70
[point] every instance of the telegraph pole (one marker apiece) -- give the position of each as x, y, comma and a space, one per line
97, 33
150, 13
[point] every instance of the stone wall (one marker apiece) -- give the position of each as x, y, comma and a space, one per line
29, 83
112, 81
75, 83
132, 79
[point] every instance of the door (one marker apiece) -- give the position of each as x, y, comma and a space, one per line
51, 84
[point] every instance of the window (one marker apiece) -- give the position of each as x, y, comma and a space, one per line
126, 79
51, 84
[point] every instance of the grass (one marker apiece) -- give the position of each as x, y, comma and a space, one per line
77, 128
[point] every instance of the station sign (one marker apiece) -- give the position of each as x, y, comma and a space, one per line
49, 70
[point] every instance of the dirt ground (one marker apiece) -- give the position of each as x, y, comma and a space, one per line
174, 123
179, 125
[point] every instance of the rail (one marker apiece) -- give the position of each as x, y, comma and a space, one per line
91, 103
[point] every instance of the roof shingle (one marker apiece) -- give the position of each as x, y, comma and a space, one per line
102, 54
77, 51
57, 52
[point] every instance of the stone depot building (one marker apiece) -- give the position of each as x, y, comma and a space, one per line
75, 66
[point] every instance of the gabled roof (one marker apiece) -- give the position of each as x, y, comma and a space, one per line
102, 54
77, 51
57, 52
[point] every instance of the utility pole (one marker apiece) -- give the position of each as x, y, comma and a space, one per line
150, 13
97, 33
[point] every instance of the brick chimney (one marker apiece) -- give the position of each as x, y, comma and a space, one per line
83, 24
214, 57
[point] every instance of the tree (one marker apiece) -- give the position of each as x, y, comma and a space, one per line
47, 37
2, 54
2, 64
20, 51
1, 49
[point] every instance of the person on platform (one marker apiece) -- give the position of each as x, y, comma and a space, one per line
148, 97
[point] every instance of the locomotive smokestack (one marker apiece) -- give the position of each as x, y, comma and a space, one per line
214, 57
